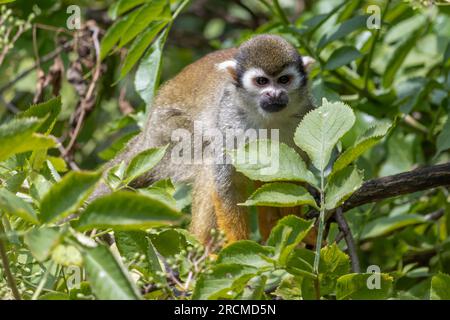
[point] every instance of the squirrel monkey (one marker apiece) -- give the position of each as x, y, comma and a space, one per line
260, 85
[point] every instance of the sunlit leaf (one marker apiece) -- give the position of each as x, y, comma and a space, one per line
321, 129
42, 241
358, 286
12, 204
48, 110
126, 211
149, 70
265, 160
287, 234
245, 252
341, 186
139, 45
66, 196
280, 195
386, 225
440, 287
19, 136
367, 140
107, 277
143, 162
225, 281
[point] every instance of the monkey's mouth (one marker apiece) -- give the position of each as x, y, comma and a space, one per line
273, 107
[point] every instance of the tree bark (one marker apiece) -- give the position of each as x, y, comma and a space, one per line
403, 183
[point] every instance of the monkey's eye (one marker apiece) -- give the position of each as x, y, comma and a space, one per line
284, 79
261, 81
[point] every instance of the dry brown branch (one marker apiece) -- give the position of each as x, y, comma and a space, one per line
403, 183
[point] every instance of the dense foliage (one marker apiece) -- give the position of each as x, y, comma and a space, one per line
74, 91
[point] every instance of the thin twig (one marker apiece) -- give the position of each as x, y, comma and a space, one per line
44, 59
89, 95
351, 247
5, 262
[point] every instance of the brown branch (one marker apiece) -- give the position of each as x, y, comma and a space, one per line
347, 233
403, 183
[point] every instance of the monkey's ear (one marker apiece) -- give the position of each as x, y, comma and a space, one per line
308, 63
230, 66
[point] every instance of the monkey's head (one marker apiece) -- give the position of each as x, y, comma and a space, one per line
270, 72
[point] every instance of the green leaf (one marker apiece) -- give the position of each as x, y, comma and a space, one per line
114, 33
154, 10
443, 139
48, 111
42, 241
143, 162
66, 196
321, 129
334, 261
18, 136
225, 281
67, 255
300, 263
382, 226
333, 264
289, 288
134, 244
312, 23
342, 56
356, 286
247, 253
115, 175
440, 287
123, 6
149, 71
12, 204
397, 58
160, 194
140, 44
367, 140
343, 30
404, 28
54, 296
14, 183
287, 234
6, 1
107, 277
254, 290
266, 160
126, 211
169, 242
281, 195
402, 150
341, 186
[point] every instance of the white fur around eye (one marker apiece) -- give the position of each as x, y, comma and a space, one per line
249, 75
296, 76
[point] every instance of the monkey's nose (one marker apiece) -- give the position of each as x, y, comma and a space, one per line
274, 102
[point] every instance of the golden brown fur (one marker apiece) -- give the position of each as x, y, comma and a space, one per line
204, 92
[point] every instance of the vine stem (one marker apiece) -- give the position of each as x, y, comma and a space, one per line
5, 262
319, 234
321, 224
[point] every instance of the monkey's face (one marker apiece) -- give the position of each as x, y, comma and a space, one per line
272, 92
270, 76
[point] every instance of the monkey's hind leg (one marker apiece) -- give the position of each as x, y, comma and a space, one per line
203, 216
